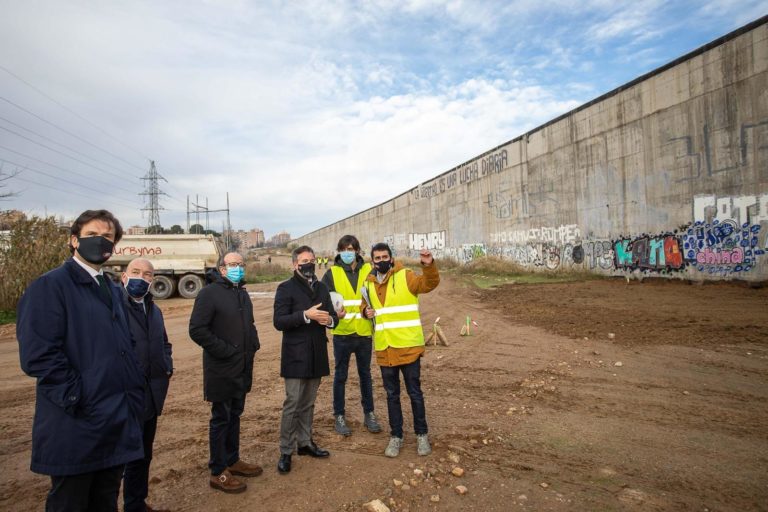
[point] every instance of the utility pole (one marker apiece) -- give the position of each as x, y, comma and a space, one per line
153, 192
196, 208
229, 226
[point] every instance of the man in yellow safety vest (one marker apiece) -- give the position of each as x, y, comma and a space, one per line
391, 300
353, 334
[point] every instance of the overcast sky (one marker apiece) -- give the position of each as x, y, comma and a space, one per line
305, 112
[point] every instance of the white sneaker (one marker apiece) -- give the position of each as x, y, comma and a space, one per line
422, 445
393, 448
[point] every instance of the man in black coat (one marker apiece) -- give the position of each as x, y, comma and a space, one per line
154, 352
303, 312
222, 323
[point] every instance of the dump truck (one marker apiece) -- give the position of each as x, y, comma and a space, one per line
181, 261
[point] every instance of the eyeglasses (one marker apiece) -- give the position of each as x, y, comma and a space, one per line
234, 265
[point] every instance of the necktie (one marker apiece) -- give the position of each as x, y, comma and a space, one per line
104, 290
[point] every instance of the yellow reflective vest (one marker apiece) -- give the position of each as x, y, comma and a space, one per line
353, 322
397, 321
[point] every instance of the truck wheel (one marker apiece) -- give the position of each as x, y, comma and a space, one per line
190, 285
162, 287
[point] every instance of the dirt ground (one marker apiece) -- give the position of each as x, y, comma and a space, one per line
540, 406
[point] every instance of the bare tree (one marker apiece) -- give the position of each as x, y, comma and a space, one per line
5, 176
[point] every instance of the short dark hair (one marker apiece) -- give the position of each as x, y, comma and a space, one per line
381, 246
299, 250
348, 240
89, 215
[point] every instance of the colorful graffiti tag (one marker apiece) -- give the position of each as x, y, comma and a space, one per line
649, 253
722, 247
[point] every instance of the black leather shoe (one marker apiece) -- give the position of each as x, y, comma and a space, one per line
313, 450
284, 464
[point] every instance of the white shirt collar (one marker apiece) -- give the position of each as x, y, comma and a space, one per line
93, 273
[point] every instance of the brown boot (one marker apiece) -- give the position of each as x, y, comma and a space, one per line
242, 468
227, 483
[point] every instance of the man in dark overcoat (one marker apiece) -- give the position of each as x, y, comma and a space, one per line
222, 323
74, 339
303, 312
154, 352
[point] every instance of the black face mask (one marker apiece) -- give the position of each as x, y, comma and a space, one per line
383, 267
95, 249
307, 270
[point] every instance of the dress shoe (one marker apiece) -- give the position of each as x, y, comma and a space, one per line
284, 464
313, 450
242, 468
227, 483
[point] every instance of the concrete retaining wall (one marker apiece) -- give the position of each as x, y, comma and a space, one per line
666, 175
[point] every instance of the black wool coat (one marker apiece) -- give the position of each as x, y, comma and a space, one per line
222, 323
305, 345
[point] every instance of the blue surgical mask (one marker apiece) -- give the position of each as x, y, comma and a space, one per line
235, 274
347, 256
136, 287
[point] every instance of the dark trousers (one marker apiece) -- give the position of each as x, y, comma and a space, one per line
343, 348
87, 492
412, 378
298, 414
136, 476
224, 434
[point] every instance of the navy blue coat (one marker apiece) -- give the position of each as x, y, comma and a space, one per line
222, 323
90, 387
153, 350
304, 353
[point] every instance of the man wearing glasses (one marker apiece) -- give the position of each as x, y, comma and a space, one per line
303, 312
222, 323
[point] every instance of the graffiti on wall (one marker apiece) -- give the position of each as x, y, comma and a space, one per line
718, 155
660, 253
465, 252
566, 233
742, 209
432, 241
462, 175
504, 206
722, 248
597, 254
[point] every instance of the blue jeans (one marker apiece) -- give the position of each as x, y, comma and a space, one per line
224, 434
343, 348
412, 378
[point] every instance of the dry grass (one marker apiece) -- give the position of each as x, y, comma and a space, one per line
33, 247
257, 272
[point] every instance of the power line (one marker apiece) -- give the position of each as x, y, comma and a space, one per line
61, 152
61, 145
89, 196
62, 169
100, 191
64, 191
102, 130
70, 133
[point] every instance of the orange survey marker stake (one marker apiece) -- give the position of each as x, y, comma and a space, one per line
466, 328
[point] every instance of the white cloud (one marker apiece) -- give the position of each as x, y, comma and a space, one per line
309, 111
